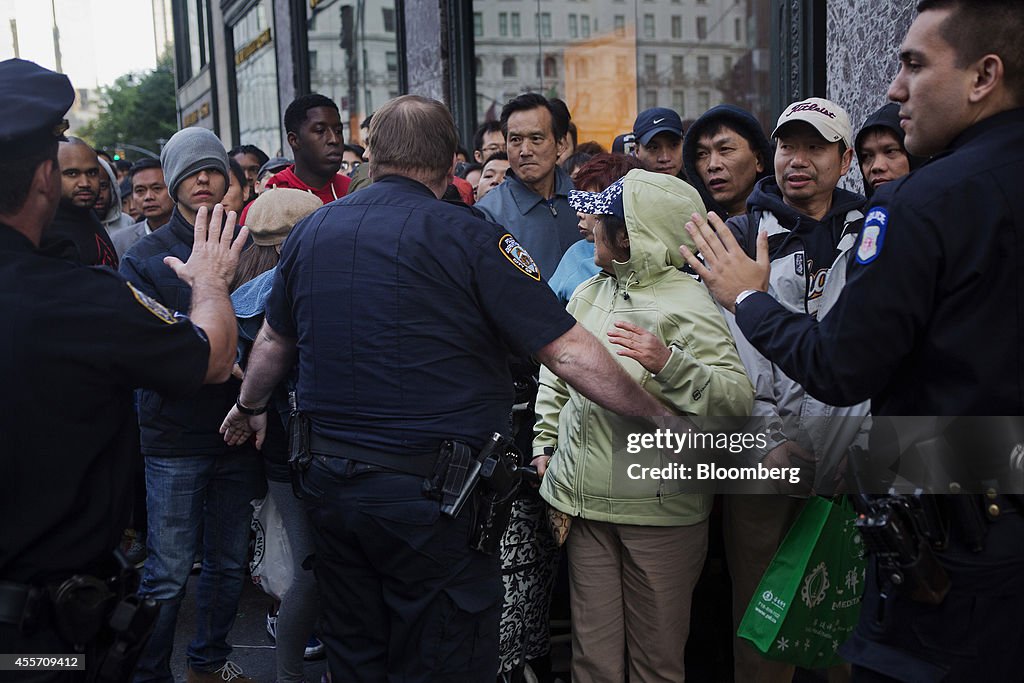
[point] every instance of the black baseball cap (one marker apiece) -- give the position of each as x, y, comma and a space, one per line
650, 122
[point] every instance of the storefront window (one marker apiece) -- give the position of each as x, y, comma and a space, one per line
259, 117
678, 56
357, 56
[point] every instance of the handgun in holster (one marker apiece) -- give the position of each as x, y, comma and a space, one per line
488, 481
896, 530
299, 454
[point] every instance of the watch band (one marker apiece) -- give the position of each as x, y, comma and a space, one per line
249, 411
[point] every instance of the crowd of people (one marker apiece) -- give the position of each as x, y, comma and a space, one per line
342, 332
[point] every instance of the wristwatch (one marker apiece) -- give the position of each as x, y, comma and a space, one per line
743, 295
249, 411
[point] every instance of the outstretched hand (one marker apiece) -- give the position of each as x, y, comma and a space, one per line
726, 270
215, 254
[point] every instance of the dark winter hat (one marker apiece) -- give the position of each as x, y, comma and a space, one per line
33, 107
189, 151
739, 120
887, 118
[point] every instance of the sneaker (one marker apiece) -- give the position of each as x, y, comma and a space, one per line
272, 625
229, 672
135, 553
314, 649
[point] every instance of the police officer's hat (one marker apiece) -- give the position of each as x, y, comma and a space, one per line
32, 108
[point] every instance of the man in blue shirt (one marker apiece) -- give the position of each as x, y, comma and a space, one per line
533, 202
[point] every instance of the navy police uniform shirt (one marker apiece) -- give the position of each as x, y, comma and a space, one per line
405, 310
931, 319
74, 344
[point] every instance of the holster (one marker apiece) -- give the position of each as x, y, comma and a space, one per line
487, 481
300, 457
499, 483
898, 532
103, 618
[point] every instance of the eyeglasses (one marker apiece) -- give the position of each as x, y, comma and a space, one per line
493, 147
350, 165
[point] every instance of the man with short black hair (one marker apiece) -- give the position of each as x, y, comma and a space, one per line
317, 139
929, 324
76, 234
488, 141
149, 193
250, 158
659, 141
533, 202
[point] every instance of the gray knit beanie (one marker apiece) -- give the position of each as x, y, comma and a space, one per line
189, 151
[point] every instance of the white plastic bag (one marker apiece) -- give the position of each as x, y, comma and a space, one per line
271, 565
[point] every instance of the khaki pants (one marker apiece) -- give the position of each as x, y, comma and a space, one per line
630, 591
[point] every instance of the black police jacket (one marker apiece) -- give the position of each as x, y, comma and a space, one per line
75, 342
175, 426
931, 317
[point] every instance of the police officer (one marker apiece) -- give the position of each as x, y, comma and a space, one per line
76, 341
401, 311
930, 323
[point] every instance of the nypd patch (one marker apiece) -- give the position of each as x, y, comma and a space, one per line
518, 256
872, 235
155, 307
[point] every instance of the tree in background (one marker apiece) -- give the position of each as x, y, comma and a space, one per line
138, 109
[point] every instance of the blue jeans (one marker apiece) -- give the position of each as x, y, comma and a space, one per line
187, 496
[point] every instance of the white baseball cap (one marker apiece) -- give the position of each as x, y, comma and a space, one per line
827, 117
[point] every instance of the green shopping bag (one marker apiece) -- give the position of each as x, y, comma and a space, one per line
808, 600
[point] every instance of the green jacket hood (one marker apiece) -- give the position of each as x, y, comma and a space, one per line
657, 207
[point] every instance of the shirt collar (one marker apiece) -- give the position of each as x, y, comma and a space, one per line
526, 199
13, 240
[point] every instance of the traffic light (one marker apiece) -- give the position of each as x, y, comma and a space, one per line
347, 28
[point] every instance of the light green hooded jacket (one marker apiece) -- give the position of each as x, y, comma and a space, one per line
704, 375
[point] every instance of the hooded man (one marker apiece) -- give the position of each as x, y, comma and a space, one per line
725, 152
881, 152
112, 218
812, 226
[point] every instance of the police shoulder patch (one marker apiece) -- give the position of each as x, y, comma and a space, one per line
518, 256
153, 306
872, 235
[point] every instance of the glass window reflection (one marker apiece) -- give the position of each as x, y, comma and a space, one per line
686, 55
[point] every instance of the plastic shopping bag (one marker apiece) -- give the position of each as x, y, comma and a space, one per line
271, 566
808, 601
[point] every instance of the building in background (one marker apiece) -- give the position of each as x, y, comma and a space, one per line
240, 62
163, 28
